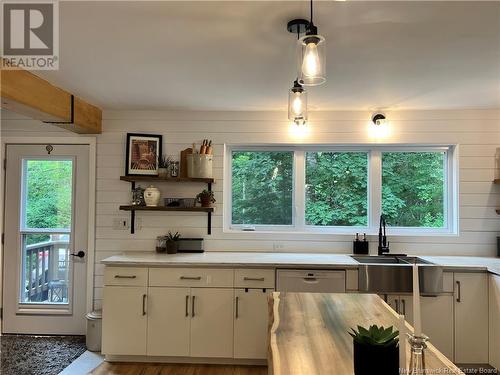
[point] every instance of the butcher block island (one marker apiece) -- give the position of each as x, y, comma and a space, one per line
309, 333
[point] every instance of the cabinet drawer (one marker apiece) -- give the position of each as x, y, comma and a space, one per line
130, 276
253, 278
191, 277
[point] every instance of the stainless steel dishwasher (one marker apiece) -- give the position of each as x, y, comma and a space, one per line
316, 281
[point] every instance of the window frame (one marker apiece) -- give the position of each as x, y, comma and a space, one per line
374, 190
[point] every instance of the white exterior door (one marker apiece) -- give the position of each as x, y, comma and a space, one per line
46, 238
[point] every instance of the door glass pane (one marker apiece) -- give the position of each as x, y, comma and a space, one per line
47, 194
45, 268
336, 188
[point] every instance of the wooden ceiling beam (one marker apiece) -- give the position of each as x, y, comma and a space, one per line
27, 94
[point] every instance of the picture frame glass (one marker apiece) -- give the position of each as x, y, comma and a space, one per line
143, 152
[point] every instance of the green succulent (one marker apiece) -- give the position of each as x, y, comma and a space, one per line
375, 336
173, 237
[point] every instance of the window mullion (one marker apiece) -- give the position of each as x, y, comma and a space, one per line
299, 190
375, 188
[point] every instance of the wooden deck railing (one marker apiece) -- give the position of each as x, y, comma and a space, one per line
45, 275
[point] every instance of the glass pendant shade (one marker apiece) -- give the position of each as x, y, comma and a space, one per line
297, 104
311, 60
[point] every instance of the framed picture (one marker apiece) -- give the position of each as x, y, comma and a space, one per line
143, 152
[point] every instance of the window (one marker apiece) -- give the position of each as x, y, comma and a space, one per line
341, 189
413, 189
262, 187
336, 188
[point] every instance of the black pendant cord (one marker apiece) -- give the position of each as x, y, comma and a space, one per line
311, 12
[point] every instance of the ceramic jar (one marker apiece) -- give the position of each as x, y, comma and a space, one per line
152, 196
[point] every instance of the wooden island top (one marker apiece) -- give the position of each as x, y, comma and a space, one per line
309, 333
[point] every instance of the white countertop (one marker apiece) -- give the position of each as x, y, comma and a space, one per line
284, 260
239, 259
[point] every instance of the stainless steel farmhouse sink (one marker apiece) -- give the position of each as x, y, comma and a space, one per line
393, 274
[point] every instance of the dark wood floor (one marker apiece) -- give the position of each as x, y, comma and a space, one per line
175, 369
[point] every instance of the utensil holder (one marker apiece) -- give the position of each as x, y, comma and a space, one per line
199, 165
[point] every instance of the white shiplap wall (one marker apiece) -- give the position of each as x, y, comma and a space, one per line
476, 131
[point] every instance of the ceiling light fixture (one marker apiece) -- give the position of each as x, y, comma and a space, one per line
297, 104
311, 56
379, 127
379, 119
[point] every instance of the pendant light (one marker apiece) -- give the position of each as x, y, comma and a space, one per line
297, 104
311, 56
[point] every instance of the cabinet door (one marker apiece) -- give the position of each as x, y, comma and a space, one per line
212, 322
168, 321
250, 323
406, 307
494, 321
124, 320
437, 322
471, 318
393, 301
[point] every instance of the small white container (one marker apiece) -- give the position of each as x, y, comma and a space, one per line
94, 331
152, 196
199, 165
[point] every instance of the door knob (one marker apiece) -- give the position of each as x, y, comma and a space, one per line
79, 254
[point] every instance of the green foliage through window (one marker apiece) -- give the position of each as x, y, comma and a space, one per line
262, 187
413, 188
336, 188
48, 187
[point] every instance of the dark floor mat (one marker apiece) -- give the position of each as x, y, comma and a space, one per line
38, 355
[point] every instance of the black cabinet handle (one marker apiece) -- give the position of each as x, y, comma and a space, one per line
237, 313
192, 307
459, 292
187, 303
144, 296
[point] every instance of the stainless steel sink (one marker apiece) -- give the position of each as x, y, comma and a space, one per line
388, 259
393, 274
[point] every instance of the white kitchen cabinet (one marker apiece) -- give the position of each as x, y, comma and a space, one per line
402, 304
169, 321
471, 318
212, 322
437, 322
124, 320
494, 319
251, 323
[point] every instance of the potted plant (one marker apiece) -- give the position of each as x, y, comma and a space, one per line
375, 350
172, 242
163, 166
206, 198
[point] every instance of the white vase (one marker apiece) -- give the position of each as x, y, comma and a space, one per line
152, 196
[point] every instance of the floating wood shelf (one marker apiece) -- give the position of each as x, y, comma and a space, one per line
133, 209
163, 208
496, 181
165, 179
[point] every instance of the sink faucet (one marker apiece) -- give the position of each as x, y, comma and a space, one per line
383, 244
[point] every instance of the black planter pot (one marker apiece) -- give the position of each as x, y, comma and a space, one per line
371, 359
172, 247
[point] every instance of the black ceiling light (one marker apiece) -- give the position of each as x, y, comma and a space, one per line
297, 104
379, 119
311, 70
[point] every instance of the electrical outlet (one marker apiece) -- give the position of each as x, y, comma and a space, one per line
121, 223
278, 245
